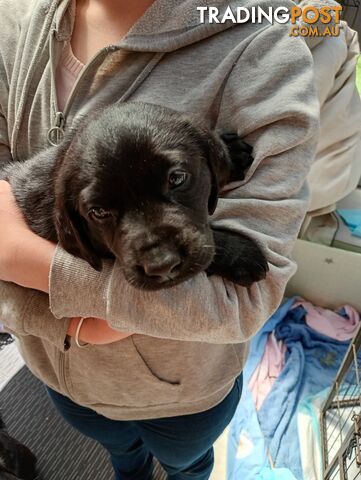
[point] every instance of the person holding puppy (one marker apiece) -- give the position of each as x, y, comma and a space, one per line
151, 374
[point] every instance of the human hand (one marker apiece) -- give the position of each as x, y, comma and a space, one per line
95, 331
25, 257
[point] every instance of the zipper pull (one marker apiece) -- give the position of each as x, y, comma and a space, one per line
56, 133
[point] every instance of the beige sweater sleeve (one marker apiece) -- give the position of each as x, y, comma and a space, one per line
270, 98
26, 312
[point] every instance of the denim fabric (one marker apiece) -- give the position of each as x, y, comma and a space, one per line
183, 445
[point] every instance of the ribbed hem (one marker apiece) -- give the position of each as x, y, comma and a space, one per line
115, 412
70, 62
75, 288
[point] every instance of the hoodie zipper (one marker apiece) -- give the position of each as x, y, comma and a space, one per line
55, 135
56, 132
26, 86
62, 376
57, 129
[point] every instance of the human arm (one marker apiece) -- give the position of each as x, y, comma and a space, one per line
22, 311
25, 311
277, 110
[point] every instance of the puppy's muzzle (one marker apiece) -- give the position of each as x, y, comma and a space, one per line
160, 265
161, 254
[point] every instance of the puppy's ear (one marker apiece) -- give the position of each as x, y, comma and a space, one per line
73, 233
229, 159
240, 154
219, 165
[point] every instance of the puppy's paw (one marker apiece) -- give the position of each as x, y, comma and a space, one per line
238, 259
247, 271
240, 153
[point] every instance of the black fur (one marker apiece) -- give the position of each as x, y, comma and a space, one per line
123, 160
17, 462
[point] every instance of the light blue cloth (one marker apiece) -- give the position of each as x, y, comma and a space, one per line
276, 474
247, 454
309, 434
311, 363
259, 341
352, 218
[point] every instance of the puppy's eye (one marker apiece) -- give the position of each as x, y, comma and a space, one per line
99, 213
177, 178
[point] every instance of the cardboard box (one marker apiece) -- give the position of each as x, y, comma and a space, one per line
328, 277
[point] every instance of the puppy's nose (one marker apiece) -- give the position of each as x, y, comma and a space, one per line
165, 268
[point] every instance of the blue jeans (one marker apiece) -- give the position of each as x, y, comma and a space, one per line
183, 445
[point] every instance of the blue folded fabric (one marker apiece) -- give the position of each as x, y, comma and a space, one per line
311, 363
352, 218
247, 453
247, 457
258, 343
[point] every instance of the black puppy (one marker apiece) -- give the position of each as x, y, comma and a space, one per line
138, 182
17, 462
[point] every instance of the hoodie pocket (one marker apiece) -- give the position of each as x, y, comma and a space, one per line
116, 375
156, 377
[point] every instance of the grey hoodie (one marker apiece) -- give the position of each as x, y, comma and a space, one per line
189, 342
